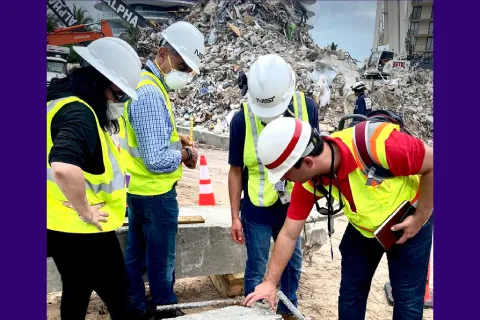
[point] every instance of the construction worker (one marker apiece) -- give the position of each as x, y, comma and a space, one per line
154, 152
271, 94
290, 150
363, 104
85, 181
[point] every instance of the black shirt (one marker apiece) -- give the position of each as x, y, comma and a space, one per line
75, 137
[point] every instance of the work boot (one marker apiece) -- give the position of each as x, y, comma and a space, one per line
168, 314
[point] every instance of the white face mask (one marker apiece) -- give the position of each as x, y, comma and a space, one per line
114, 109
177, 80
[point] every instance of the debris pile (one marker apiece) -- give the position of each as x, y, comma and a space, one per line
236, 33
409, 94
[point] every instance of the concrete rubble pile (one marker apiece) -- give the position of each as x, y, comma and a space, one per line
236, 33
409, 94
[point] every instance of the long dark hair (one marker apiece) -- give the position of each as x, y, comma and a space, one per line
89, 85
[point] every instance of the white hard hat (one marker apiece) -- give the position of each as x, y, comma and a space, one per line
116, 60
188, 41
282, 143
271, 84
360, 85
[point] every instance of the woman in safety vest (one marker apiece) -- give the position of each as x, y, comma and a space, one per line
86, 193
332, 166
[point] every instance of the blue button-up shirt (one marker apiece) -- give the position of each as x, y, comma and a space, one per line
152, 126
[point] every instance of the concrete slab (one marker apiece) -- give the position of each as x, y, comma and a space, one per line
233, 313
205, 136
206, 249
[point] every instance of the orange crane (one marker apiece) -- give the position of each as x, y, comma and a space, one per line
68, 35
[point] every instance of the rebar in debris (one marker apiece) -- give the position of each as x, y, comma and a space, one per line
290, 305
201, 304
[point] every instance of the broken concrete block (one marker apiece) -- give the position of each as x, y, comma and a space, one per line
233, 313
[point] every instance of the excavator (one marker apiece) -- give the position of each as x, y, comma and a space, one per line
71, 35
56, 54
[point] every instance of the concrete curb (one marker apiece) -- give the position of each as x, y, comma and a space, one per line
221, 141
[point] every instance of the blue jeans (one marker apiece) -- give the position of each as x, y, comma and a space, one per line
257, 240
407, 265
153, 225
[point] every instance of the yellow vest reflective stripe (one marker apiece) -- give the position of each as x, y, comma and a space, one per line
373, 203
108, 188
261, 192
143, 182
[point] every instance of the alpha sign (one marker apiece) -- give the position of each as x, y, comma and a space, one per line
127, 14
62, 12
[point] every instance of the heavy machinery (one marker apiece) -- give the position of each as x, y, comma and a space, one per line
56, 62
56, 54
381, 62
71, 35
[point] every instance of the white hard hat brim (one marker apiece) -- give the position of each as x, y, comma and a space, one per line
270, 112
84, 52
274, 176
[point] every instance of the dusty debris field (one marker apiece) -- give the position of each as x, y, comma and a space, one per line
319, 283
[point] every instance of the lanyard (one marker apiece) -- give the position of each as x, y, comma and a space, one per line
329, 211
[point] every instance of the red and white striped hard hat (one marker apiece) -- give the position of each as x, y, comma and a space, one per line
282, 143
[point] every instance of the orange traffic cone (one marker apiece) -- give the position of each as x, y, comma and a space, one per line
205, 197
428, 298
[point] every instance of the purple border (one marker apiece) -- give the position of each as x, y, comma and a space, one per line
23, 225
23, 243
457, 220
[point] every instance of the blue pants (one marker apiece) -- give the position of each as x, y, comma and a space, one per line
153, 225
257, 240
407, 265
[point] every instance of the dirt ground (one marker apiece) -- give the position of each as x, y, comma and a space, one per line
217, 162
320, 280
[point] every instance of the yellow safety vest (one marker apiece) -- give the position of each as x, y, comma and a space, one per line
374, 204
143, 182
261, 192
108, 188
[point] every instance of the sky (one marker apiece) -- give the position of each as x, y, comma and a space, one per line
350, 23
346, 22
87, 5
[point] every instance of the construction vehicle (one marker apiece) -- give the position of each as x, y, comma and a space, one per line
72, 35
381, 62
56, 62
56, 54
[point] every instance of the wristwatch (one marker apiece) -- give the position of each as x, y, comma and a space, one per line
189, 153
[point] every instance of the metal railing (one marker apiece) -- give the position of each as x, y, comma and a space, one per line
412, 32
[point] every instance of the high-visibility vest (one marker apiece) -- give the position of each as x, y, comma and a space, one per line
374, 204
108, 187
260, 190
143, 182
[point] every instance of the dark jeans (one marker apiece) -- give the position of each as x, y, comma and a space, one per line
152, 230
87, 263
407, 265
257, 240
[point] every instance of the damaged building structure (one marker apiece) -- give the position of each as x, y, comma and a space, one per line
238, 31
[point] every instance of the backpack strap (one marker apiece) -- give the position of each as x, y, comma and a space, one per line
373, 170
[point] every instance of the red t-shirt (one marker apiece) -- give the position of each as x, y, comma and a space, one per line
404, 156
